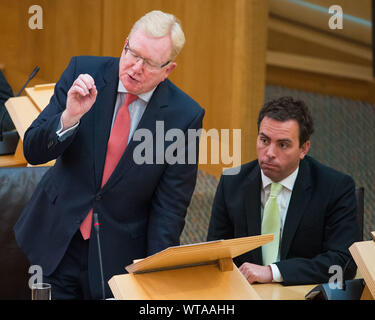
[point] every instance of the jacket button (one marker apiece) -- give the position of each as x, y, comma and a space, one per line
98, 197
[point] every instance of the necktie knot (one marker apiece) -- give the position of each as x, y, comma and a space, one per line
130, 98
275, 189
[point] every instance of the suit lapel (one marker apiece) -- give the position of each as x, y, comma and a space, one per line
153, 113
300, 198
252, 206
104, 108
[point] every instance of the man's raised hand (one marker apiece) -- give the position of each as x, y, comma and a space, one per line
81, 96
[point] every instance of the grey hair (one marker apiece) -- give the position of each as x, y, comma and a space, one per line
158, 24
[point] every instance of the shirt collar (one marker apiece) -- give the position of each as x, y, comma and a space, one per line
145, 96
288, 182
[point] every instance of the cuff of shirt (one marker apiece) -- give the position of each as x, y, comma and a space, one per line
276, 275
66, 133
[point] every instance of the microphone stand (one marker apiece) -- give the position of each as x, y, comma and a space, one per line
32, 75
96, 226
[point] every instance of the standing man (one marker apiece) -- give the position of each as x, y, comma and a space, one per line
88, 127
309, 208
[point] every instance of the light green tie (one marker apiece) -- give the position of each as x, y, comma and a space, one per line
271, 224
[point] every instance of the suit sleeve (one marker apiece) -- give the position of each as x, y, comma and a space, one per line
172, 197
41, 143
341, 231
220, 226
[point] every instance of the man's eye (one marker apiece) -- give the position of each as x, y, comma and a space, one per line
283, 145
148, 63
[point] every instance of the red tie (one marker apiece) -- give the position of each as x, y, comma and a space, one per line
116, 146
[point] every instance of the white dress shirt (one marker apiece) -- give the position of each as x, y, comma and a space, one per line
283, 200
136, 110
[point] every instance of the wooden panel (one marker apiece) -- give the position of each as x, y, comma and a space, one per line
200, 253
184, 284
23, 112
364, 256
319, 61
330, 67
70, 27
318, 19
249, 71
360, 9
40, 95
132, 286
276, 291
366, 294
323, 84
14, 160
177, 272
294, 38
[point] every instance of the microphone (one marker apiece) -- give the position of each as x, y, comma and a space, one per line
12, 137
349, 289
96, 226
32, 75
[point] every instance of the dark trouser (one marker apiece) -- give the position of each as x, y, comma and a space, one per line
70, 279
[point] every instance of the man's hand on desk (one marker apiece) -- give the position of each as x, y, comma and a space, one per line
256, 273
81, 96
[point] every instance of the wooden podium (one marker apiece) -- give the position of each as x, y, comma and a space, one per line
23, 111
203, 271
364, 256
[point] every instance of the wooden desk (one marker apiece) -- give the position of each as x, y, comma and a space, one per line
14, 160
40, 95
363, 253
23, 111
276, 291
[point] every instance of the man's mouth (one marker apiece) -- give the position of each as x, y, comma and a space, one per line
132, 78
268, 165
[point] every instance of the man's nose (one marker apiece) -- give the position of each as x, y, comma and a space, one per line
270, 152
138, 65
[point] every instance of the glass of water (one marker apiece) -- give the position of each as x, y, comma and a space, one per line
41, 291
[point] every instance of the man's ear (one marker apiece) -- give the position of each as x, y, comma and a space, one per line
304, 149
171, 66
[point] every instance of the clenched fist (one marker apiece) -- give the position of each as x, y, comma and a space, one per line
256, 273
81, 96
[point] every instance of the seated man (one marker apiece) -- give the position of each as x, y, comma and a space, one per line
310, 208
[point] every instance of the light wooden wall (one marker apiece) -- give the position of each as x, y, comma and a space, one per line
222, 65
70, 28
303, 53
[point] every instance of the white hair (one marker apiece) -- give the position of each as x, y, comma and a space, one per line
158, 24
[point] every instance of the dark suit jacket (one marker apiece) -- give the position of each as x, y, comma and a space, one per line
319, 228
141, 208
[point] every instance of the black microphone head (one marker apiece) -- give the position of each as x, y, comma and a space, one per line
96, 221
34, 72
32, 75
